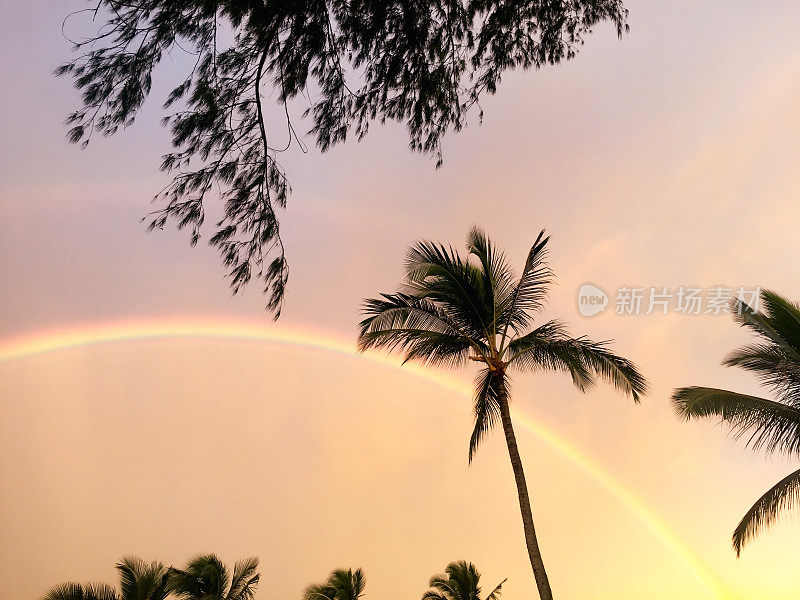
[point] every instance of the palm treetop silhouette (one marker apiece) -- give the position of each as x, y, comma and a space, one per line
138, 581
772, 425
460, 581
342, 584
453, 309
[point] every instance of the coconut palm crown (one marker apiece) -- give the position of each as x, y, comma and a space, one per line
341, 585
460, 581
207, 578
772, 425
452, 309
138, 581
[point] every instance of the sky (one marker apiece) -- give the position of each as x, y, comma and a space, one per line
668, 158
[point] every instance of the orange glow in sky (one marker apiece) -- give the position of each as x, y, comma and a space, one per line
131, 425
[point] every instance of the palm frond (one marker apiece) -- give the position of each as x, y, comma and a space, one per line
466, 577
442, 587
435, 595
204, 577
140, 580
130, 573
779, 322
76, 591
350, 582
421, 345
417, 327
359, 584
769, 424
404, 310
65, 591
437, 273
529, 294
497, 591
341, 585
772, 425
549, 347
460, 581
486, 410
445, 586
783, 496
245, 579
498, 276
612, 368
185, 585
161, 589
318, 592
100, 591
776, 368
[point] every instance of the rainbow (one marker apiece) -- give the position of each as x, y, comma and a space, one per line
210, 328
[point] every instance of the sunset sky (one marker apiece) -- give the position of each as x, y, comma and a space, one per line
143, 410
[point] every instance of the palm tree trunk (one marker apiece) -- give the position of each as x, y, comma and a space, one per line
542, 583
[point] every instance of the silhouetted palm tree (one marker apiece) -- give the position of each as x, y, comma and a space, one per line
138, 581
771, 424
453, 308
460, 581
206, 578
341, 585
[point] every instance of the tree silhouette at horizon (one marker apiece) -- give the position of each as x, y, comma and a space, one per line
138, 581
460, 581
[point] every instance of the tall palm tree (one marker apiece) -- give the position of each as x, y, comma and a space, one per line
138, 581
773, 425
341, 585
452, 309
460, 581
207, 578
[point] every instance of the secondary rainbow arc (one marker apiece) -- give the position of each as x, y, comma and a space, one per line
79, 336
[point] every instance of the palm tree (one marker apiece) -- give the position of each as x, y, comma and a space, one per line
773, 425
459, 582
138, 581
206, 578
452, 309
341, 585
